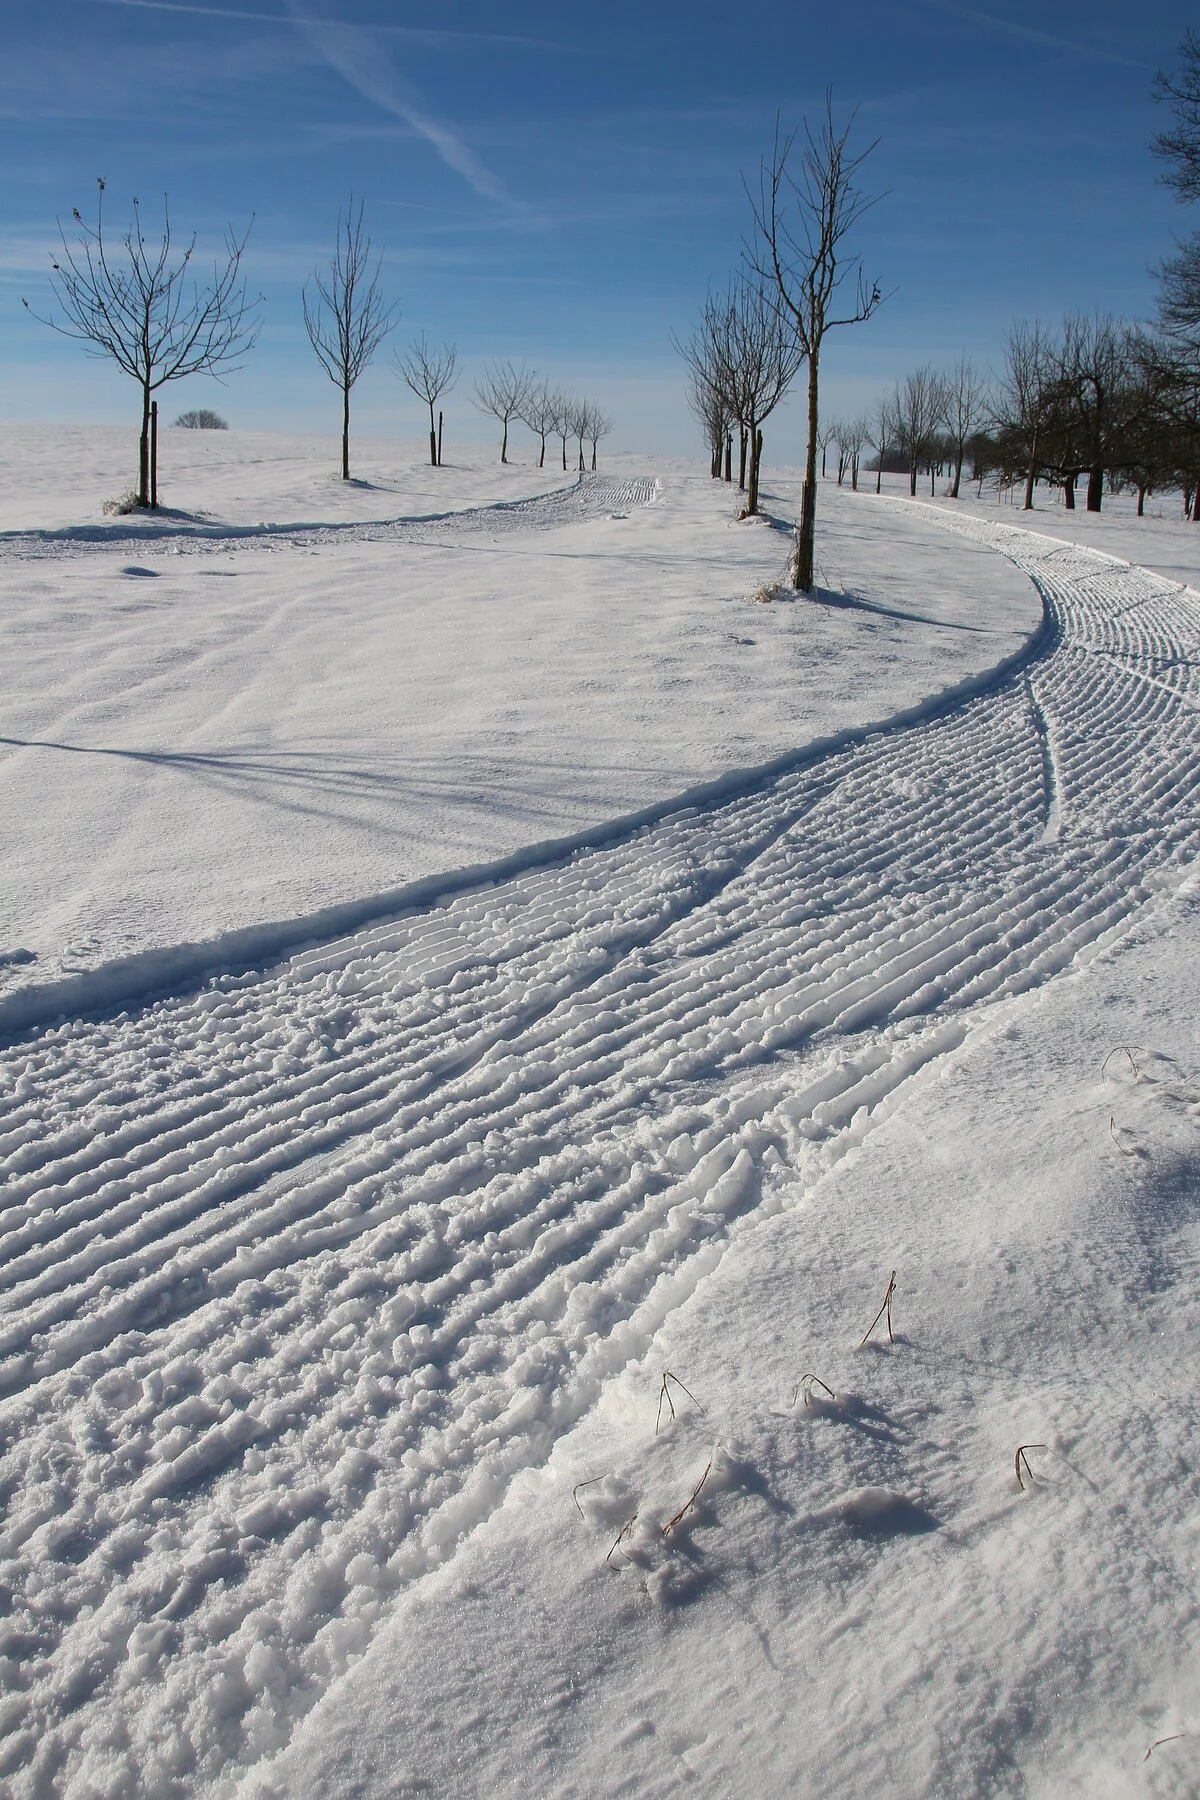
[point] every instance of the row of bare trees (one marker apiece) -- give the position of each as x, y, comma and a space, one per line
511, 391
136, 299
1117, 403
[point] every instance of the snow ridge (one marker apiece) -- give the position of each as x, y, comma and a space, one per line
299, 1269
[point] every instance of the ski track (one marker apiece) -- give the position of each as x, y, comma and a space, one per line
588, 497
299, 1269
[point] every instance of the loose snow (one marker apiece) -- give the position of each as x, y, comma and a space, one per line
431, 1364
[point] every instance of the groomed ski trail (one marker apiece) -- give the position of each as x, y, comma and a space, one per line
298, 1270
587, 497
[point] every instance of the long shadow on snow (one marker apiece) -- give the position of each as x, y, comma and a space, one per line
153, 975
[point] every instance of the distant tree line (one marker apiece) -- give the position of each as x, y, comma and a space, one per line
134, 297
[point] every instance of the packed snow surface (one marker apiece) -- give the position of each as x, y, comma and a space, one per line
430, 1363
211, 724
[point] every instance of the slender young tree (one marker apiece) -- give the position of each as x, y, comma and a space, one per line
917, 408
347, 318
882, 434
964, 408
565, 407
539, 412
803, 216
429, 374
599, 426
137, 301
503, 390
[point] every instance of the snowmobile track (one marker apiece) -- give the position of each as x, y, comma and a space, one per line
299, 1269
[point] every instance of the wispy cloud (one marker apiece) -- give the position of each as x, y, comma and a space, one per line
366, 60
1033, 34
430, 37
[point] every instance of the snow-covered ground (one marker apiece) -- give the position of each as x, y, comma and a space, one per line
432, 1364
210, 730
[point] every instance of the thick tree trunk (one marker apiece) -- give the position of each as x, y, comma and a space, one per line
879, 472
806, 536
504, 444
954, 486
345, 434
912, 478
932, 480
542, 453
729, 458
593, 458
1196, 504
154, 454
1141, 511
854, 474
1095, 489
433, 454
564, 445
742, 448
1069, 492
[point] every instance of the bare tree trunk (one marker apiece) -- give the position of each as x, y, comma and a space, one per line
143, 492
441, 418
1196, 504
433, 448
742, 460
1095, 490
154, 454
1141, 511
932, 479
755, 439
504, 444
729, 457
593, 458
912, 477
346, 433
958, 463
1069, 492
806, 536
879, 472
542, 453
1031, 477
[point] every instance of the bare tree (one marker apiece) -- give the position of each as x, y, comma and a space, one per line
746, 353
564, 416
347, 319
916, 408
503, 390
852, 435
708, 388
429, 374
540, 413
806, 261
1179, 147
964, 408
137, 302
827, 430
599, 426
882, 434
580, 422
1022, 404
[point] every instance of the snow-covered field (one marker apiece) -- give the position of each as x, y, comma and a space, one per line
431, 1363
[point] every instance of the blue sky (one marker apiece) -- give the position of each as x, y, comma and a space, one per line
560, 184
